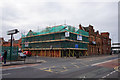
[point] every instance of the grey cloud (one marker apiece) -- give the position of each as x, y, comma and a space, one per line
26, 16
10, 13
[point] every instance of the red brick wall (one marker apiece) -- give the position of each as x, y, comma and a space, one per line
19, 43
7, 43
103, 42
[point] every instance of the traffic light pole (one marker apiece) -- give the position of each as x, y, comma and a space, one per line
11, 47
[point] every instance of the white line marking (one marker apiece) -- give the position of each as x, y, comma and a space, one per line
84, 64
102, 62
77, 66
109, 74
83, 77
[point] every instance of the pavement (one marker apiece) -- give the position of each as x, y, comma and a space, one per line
22, 61
102, 67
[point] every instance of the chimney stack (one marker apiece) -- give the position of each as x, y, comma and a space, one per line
80, 26
105, 34
97, 32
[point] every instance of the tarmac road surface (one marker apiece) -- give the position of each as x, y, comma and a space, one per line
106, 66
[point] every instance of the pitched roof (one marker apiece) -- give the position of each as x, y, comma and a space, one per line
86, 29
59, 28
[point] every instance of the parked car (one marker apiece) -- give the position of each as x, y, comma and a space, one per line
21, 55
27, 53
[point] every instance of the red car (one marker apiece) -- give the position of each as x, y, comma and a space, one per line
27, 53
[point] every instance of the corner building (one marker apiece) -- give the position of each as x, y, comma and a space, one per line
57, 41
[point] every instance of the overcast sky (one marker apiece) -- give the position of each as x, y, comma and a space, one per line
37, 14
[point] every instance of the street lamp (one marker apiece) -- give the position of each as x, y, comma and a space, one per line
11, 32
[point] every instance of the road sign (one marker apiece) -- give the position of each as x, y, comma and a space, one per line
67, 34
26, 44
76, 45
12, 32
79, 37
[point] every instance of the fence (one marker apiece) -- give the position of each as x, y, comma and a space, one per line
14, 55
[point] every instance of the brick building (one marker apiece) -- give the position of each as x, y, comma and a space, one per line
16, 43
99, 43
5, 45
57, 41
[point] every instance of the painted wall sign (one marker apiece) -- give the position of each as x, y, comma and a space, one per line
26, 44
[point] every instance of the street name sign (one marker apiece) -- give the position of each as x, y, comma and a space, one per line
14, 31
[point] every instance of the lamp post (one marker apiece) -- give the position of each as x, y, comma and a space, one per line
11, 32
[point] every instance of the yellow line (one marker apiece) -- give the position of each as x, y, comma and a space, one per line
116, 68
63, 70
49, 70
42, 68
47, 67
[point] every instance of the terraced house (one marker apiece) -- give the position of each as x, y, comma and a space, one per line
57, 41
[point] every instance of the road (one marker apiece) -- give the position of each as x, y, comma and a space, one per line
89, 67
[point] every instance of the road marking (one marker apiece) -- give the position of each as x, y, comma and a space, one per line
77, 66
117, 68
63, 70
109, 74
73, 63
6, 74
42, 68
84, 64
49, 70
83, 77
47, 67
65, 67
102, 62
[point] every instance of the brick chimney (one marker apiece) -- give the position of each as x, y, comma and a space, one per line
80, 26
98, 32
105, 34
90, 26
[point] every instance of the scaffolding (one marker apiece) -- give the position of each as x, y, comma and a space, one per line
52, 41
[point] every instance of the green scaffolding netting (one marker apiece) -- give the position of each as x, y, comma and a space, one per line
58, 29
57, 36
58, 44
